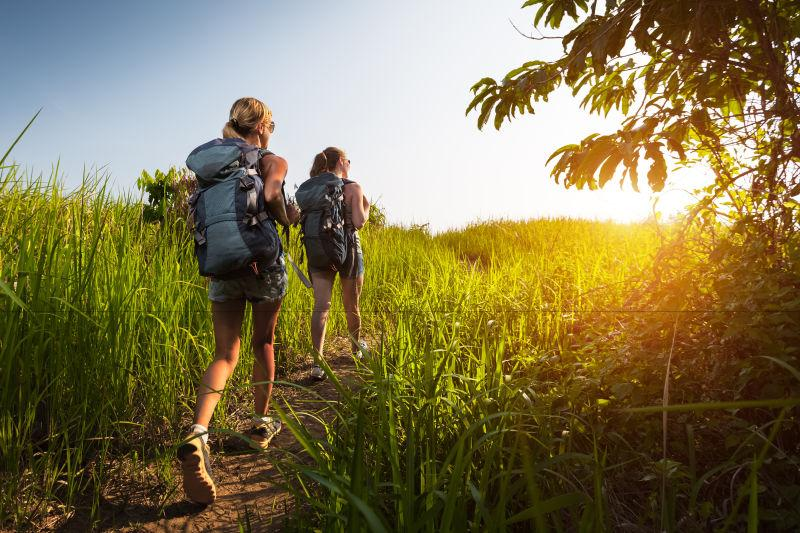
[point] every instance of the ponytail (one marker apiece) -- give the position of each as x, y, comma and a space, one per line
326, 160
245, 116
230, 131
320, 164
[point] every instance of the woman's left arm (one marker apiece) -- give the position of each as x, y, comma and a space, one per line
274, 170
359, 206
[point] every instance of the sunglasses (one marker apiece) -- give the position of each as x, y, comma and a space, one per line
271, 127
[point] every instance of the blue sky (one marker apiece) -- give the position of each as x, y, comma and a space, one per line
128, 87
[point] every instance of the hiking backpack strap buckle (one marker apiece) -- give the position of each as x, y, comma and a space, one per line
251, 212
247, 183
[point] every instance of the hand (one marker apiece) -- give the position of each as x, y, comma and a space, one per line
293, 213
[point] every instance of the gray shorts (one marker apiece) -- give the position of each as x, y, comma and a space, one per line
270, 287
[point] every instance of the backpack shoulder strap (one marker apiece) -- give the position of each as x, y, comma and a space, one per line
256, 165
251, 157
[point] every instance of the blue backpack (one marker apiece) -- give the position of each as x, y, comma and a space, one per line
321, 202
234, 233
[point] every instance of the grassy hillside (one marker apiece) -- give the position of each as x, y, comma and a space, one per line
495, 398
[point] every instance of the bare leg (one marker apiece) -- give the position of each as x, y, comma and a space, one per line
351, 293
323, 287
265, 317
227, 318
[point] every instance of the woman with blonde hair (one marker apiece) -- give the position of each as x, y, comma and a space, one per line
330, 172
249, 128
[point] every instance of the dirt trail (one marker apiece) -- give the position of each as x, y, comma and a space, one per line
248, 485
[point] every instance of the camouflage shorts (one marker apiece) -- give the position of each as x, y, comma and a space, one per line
270, 287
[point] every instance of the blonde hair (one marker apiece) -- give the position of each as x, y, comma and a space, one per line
245, 116
326, 160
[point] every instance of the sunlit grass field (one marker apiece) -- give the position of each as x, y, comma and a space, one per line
491, 398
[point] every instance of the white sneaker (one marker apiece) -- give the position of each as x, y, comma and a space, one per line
263, 432
317, 374
363, 350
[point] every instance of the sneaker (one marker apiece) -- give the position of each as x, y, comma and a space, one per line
262, 433
317, 374
195, 458
363, 350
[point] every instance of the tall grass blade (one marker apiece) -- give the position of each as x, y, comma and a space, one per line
13, 144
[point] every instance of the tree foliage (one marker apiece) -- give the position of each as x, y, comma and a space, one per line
166, 191
698, 80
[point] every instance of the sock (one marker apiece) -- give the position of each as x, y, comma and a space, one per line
197, 428
261, 419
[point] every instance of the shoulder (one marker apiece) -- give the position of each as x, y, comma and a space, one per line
352, 193
352, 186
273, 162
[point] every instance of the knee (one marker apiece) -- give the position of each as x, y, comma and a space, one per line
229, 357
261, 343
322, 307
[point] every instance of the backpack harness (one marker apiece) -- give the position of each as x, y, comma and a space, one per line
324, 234
234, 233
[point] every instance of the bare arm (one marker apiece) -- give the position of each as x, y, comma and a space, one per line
273, 171
359, 205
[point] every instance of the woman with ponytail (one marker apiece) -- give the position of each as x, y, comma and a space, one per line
251, 121
330, 164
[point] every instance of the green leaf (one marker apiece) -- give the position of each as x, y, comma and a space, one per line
486, 110
482, 82
657, 174
479, 98
706, 406
8, 291
633, 172
373, 520
540, 13
13, 144
608, 168
784, 364
563, 501
565, 148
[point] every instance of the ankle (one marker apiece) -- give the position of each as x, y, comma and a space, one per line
260, 419
202, 431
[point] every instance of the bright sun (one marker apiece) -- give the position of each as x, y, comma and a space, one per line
626, 205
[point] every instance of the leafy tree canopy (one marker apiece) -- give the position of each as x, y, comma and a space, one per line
713, 80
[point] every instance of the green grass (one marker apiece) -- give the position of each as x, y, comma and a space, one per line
447, 431
501, 393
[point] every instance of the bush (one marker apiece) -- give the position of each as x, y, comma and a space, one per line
167, 192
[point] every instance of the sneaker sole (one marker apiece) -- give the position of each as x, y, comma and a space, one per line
197, 484
258, 443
